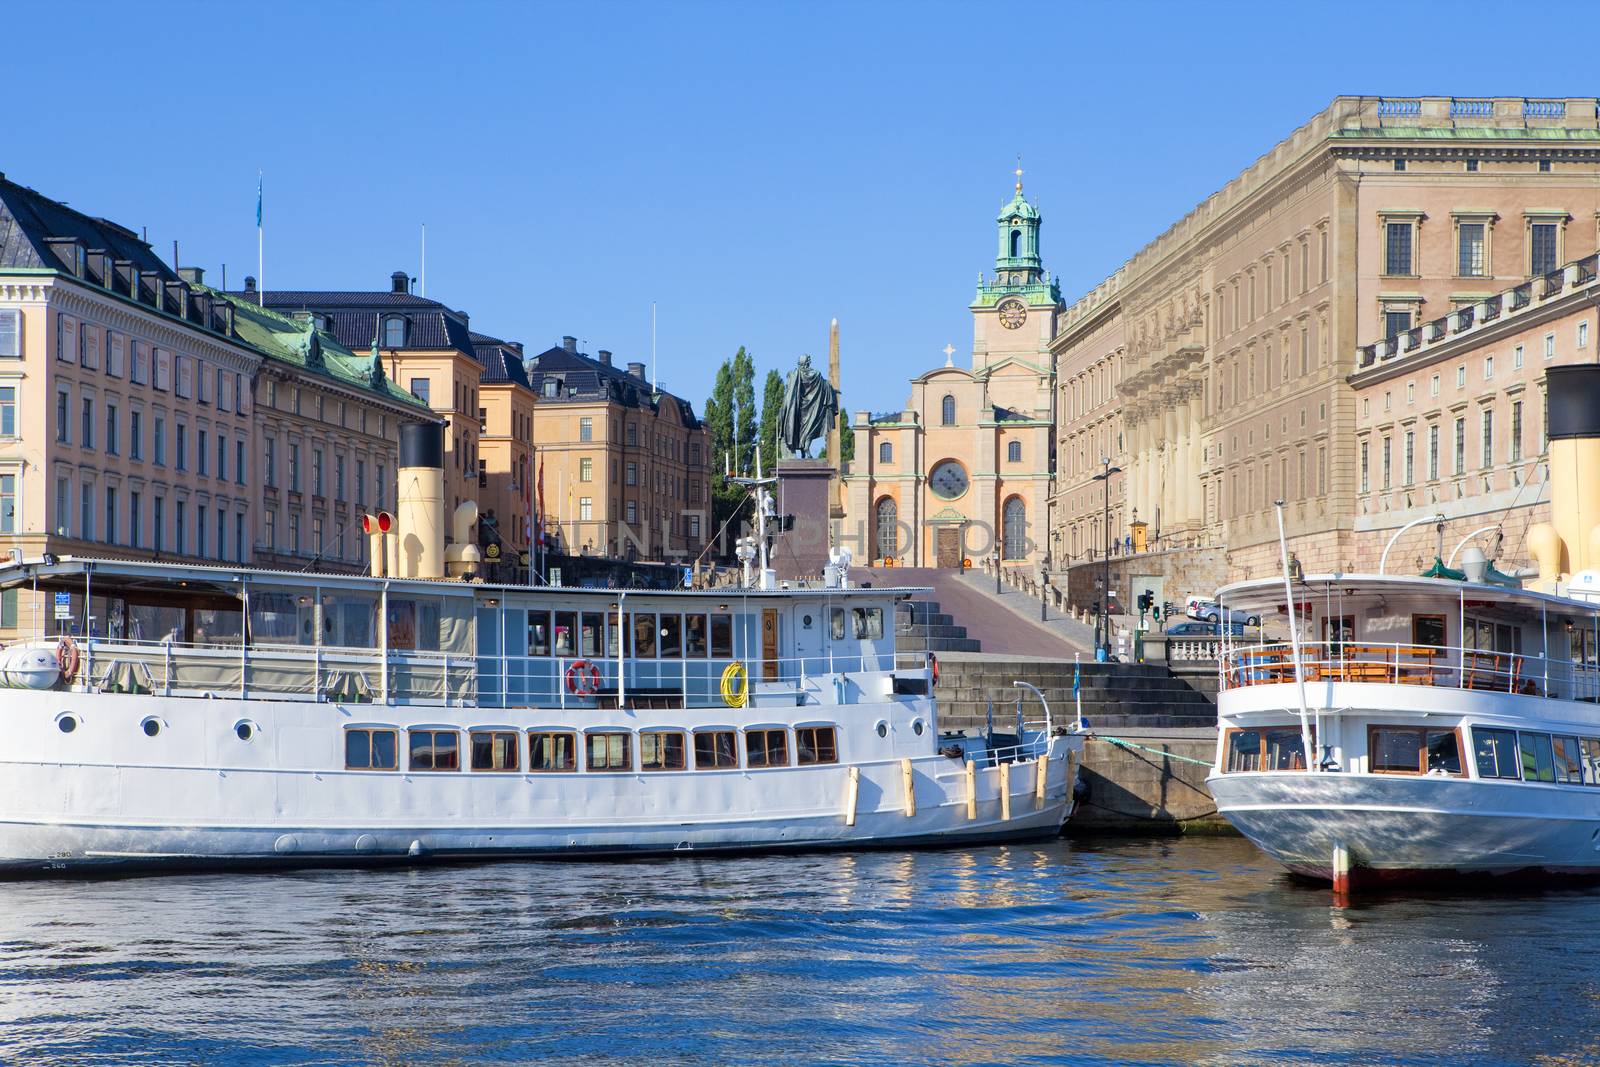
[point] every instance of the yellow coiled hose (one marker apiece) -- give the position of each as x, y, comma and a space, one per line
735, 685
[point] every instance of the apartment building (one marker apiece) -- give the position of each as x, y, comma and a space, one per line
506, 455
623, 467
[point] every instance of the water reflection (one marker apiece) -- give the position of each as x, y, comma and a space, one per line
1168, 952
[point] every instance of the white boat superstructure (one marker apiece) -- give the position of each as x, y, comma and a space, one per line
229, 717
1452, 719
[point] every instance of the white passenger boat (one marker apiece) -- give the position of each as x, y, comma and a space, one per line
1453, 719
231, 718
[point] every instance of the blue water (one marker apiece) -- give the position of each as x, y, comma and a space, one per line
1188, 951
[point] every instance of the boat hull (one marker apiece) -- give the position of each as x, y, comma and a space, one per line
106, 798
1404, 828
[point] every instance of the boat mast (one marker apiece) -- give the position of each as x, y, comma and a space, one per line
1294, 644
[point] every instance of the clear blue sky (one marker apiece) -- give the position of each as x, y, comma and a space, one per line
755, 169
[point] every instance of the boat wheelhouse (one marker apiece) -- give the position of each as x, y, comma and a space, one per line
180, 715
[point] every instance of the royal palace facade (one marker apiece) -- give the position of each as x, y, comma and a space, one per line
1218, 368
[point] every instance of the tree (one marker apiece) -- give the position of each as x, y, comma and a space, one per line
744, 397
731, 425
847, 439
771, 405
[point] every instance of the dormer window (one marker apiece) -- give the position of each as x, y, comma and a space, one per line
321, 321
394, 331
552, 387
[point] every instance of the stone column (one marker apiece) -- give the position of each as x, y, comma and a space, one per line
1197, 498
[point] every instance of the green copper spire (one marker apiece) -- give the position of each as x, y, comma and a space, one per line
1018, 270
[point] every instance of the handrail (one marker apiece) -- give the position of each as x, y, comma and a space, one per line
1409, 663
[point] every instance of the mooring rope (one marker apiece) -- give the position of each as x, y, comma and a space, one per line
1145, 748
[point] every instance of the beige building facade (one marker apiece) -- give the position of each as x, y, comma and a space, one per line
1451, 422
1229, 337
963, 472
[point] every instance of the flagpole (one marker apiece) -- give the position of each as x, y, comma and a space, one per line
423, 281
261, 256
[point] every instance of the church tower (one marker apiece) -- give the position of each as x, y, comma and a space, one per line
1014, 312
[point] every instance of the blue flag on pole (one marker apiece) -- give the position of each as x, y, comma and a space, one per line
1077, 670
258, 200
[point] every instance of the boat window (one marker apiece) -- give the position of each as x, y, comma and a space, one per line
766, 748
1338, 631
538, 633
435, 750
1591, 761
721, 636
838, 624
609, 752
414, 623
1244, 751
614, 636
815, 744
274, 620
869, 623
368, 749
1428, 630
644, 635
1581, 643
594, 626
1283, 750
566, 633
155, 622
714, 749
494, 750
1412, 750
694, 635
1496, 753
349, 620
661, 750
1538, 763
671, 636
552, 750
216, 626
1568, 755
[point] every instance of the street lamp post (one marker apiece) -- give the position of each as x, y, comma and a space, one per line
996, 557
1104, 623
1044, 588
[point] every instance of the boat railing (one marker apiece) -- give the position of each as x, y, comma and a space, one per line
367, 675
1408, 663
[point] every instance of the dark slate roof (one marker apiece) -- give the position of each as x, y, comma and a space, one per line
583, 378
28, 219
353, 317
502, 361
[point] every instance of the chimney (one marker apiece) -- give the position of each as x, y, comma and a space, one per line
420, 514
249, 283
636, 370
605, 358
399, 283
193, 275
569, 343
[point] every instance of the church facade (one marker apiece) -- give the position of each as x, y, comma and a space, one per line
964, 470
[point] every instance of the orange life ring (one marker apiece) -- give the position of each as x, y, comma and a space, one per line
933, 664
67, 659
583, 678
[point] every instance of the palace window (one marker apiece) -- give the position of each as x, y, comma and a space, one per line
888, 528
1395, 323
10, 333
947, 411
8, 411
609, 751
715, 750
1487, 436
815, 744
1397, 248
371, 749
555, 750
766, 748
494, 750
435, 750
1472, 259
661, 751
1544, 247
586, 429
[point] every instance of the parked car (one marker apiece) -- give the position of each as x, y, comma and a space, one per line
1211, 611
1202, 629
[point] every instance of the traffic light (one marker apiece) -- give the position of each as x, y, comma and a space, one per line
1155, 612
1146, 601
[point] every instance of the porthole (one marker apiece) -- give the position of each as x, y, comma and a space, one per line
883, 728
151, 726
244, 729
916, 727
67, 723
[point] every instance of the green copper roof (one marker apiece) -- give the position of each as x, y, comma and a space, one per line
1018, 209
302, 345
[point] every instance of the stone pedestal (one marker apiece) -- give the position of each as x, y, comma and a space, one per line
801, 537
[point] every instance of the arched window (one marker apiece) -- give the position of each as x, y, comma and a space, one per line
394, 331
1016, 243
888, 528
885, 452
1014, 452
947, 412
1014, 527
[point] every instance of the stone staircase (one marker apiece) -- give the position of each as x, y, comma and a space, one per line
1114, 695
919, 624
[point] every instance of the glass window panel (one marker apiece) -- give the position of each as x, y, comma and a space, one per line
1496, 753
671, 635
1396, 750
594, 626
644, 635
357, 749
715, 749
385, 750
661, 751
1567, 756
1244, 751
566, 634
552, 751
538, 633
1538, 762
695, 637
1284, 750
722, 636
1444, 752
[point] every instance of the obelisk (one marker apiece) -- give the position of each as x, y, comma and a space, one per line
835, 456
